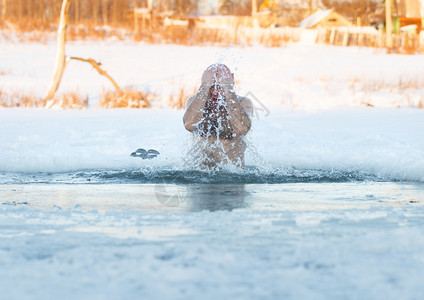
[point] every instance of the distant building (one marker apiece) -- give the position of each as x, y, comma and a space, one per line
324, 18
278, 5
287, 12
207, 7
409, 12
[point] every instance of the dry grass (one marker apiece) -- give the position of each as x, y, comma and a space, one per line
405, 91
30, 25
405, 87
129, 98
27, 30
400, 85
18, 100
404, 43
373, 85
84, 32
5, 72
37, 31
70, 100
30, 30
180, 35
73, 100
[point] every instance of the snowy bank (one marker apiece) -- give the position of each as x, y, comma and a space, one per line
300, 76
388, 142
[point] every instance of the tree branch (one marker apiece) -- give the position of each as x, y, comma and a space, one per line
96, 65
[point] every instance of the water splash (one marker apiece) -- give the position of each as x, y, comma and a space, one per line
214, 145
177, 175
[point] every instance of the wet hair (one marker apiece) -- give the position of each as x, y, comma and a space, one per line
220, 71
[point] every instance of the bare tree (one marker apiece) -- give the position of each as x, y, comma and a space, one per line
104, 11
254, 7
94, 11
136, 26
389, 25
240, 7
77, 8
62, 59
354, 9
185, 7
4, 9
226, 7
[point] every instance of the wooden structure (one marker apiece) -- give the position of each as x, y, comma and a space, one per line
325, 18
150, 15
410, 12
143, 13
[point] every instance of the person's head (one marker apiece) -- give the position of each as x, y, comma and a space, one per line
218, 74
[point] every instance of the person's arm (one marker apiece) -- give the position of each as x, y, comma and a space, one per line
238, 115
194, 108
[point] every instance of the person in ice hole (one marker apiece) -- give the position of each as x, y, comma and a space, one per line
219, 118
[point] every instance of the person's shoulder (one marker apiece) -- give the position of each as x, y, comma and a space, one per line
247, 104
189, 100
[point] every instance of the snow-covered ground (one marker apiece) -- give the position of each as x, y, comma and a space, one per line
289, 86
301, 76
386, 141
355, 232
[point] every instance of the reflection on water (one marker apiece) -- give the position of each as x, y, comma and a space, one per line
214, 197
178, 198
198, 197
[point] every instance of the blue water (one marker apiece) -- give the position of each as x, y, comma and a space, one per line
191, 197
252, 175
179, 234
177, 190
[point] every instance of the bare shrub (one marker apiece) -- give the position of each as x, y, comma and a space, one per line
5, 72
40, 31
19, 100
213, 36
73, 100
3, 99
182, 36
31, 24
127, 98
175, 35
70, 100
89, 31
402, 84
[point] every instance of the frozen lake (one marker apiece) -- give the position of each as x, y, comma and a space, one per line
184, 191
330, 207
350, 237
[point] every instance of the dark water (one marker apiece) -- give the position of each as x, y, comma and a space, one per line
251, 175
158, 189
